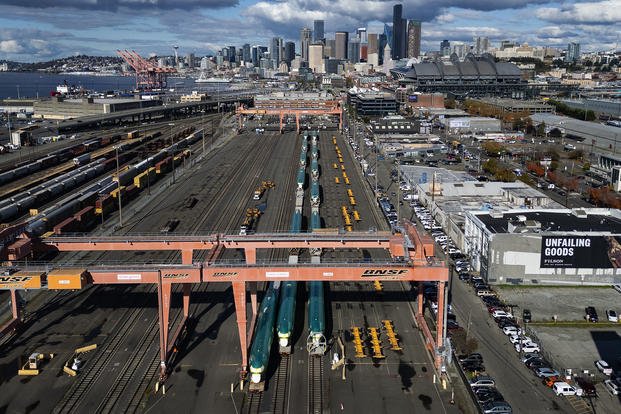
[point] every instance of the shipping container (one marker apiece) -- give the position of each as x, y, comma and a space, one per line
66, 279
19, 249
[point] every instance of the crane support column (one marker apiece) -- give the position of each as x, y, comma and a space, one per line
187, 289
186, 256
239, 295
14, 304
253, 298
163, 293
251, 258
297, 122
419, 299
281, 116
440, 321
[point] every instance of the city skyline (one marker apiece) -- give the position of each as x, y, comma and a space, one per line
31, 32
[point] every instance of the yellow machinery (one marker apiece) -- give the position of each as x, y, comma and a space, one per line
335, 166
347, 181
73, 364
378, 285
376, 344
358, 342
392, 336
336, 180
344, 174
352, 201
356, 216
350, 193
32, 367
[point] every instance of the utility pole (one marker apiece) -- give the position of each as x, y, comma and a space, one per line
172, 142
118, 182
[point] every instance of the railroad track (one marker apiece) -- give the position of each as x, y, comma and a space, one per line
94, 369
315, 385
253, 403
280, 402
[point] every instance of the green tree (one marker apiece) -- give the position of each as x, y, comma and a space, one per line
493, 149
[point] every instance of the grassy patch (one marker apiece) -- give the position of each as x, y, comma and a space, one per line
576, 324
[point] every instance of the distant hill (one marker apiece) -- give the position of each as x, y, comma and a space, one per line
80, 63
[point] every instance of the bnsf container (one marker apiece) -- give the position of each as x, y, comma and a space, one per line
66, 279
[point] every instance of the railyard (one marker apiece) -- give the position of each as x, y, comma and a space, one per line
213, 194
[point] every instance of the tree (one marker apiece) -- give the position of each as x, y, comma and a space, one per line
505, 175
586, 166
490, 166
493, 149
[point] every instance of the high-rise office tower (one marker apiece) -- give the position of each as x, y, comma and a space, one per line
414, 33
373, 43
305, 41
189, 60
353, 50
275, 49
382, 42
445, 48
481, 45
254, 52
318, 31
398, 33
315, 57
289, 52
330, 49
246, 53
340, 40
573, 52
232, 54
361, 33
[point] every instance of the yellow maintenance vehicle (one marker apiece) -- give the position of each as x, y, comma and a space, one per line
33, 365
252, 214
265, 185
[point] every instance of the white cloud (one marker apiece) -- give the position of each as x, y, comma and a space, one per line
608, 11
10, 46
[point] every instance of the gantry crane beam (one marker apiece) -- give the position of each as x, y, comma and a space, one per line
148, 75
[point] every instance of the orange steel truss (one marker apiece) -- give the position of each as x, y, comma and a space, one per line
333, 109
410, 253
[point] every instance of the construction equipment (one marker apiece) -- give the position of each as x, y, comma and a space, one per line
73, 364
358, 342
376, 344
32, 367
392, 336
265, 185
252, 214
378, 286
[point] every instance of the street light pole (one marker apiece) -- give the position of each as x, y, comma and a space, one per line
118, 182
172, 142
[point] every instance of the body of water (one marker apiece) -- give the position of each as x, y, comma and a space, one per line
33, 84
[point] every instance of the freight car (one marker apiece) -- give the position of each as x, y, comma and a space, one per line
264, 334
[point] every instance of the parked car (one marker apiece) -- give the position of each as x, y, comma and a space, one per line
537, 363
497, 407
612, 316
617, 287
591, 314
531, 355
529, 347
501, 313
471, 357
563, 388
511, 330
544, 372
604, 367
482, 381
612, 387
486, 395
588, 388
526, 316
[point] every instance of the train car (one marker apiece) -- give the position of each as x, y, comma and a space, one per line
301, 178
69, 225
286, 315
303, 158
82, 159
92, 144
315, 198
316, 343
85, 218
104, 204
315, 169
315, 220
264, 334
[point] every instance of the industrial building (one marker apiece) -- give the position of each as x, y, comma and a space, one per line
474, 76
60, 108
371, 102
545, 247
394, 124
594, 136
448, 196
471, 124
506, 105
413, 145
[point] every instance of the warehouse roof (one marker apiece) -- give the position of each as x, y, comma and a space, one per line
594, 220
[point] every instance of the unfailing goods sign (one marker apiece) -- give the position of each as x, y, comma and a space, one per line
586, 252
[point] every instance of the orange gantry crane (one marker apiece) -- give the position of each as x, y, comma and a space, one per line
148, 75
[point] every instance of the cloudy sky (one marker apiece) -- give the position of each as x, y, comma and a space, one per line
35, 30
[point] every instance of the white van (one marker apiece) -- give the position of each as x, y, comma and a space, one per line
563, 388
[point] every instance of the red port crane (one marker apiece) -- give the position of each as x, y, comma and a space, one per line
148, 75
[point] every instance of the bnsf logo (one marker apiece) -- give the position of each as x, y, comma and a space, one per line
383, 272
15, 279
175, 275
224, 274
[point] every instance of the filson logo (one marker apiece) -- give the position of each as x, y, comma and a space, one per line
14, 279
383, 272
224, 274
175, 275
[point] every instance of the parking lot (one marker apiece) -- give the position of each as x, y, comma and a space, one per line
575, 347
